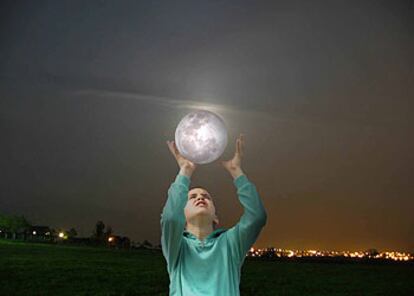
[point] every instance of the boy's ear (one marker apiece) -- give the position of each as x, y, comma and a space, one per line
216, 220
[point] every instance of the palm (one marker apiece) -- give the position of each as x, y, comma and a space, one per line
235, 162
181, 160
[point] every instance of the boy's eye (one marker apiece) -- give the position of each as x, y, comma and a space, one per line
204, 195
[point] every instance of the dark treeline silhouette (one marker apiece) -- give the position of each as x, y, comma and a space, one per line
15, 227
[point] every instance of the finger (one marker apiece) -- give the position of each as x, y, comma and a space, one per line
170, 146
241, 144
237, 147
176, 149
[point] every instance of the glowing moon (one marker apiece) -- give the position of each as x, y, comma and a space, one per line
201, 136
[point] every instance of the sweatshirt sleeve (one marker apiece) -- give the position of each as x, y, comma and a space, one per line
173, 219
242, 236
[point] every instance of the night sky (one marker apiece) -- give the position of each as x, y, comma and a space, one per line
323, 92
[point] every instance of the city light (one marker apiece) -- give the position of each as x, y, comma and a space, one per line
110, 239
61, 235
278, 253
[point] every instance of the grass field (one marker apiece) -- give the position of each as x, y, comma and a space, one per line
41, 269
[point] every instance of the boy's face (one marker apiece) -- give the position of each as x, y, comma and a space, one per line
200, 202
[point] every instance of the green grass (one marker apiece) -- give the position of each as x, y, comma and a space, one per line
41, 269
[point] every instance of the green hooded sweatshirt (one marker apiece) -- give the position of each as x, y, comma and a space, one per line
209, 267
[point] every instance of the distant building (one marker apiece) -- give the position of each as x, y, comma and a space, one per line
119, 242
39, 233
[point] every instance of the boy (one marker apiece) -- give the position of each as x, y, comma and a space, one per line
203, 260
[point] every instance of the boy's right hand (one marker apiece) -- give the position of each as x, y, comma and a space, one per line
187, 167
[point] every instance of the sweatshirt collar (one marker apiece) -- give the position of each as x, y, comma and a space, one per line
214, 234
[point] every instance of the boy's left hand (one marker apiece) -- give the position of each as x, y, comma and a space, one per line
234, 165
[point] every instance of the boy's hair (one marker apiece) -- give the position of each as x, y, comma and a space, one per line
194, 187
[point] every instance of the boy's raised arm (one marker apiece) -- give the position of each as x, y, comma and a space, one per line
172, 216
243, 235
173, 219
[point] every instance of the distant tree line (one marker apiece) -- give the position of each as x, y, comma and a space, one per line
18, 227
12, 225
